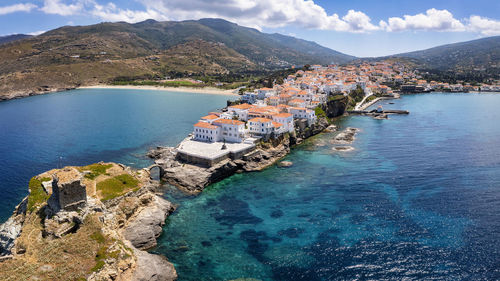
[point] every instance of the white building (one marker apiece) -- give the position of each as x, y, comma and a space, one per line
303, 113
240, 110
286, 119
231, 130
260, 126
204, 131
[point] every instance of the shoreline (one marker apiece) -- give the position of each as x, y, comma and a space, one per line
205, 90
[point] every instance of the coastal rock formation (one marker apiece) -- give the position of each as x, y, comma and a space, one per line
285, 164
146, 226
99, 237
11, 229
151, 267
193, 179
347, 136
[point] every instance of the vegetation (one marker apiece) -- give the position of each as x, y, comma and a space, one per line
37, 194
210, 50
95, 170
355, 96
335, 97
73, 257
117, 186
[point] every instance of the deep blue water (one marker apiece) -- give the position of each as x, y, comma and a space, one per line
86, 126
418, 198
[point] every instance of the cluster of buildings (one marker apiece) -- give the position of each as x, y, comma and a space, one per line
273, 111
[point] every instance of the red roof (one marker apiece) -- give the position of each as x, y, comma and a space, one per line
242, 106
205, 125
228, 122
283, 115
277, 125
260, 120
210, 117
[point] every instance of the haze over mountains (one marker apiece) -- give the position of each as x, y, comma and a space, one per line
82, 55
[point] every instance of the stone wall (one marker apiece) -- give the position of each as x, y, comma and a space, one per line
68, 191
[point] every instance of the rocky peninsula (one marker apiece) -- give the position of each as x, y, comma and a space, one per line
87, 223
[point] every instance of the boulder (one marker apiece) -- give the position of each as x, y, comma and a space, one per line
151, 267
285, 164
146, 226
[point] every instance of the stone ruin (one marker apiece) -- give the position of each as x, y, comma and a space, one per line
68, 191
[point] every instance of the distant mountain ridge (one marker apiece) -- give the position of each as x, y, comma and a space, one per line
13, 37
72, 56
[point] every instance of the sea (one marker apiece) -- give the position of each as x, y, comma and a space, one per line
417, 198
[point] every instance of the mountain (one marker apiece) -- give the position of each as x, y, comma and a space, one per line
83, 55
14, 37
482, 54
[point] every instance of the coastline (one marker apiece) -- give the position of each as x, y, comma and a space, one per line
206, 90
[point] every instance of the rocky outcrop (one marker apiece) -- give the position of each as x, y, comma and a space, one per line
10, 230
143, 229
119, 230
336, 106
193, 179
151, 267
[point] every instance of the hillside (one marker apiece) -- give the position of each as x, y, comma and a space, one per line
71, 56
14, 37
474, 61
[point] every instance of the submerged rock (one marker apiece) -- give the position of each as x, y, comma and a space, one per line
347, 136
343, 148
285, 164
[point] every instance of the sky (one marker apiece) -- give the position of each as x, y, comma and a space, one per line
363, 28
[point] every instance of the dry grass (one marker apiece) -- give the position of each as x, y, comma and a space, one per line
71, 257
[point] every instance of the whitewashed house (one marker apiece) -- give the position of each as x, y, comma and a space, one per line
286, 119
204, 131
231, 130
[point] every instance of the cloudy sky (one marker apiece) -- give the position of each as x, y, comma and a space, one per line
356, 27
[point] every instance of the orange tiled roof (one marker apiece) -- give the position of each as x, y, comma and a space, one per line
210, 117
205, 125
242, 106
277, 125
283, 115
229, 122
260, 120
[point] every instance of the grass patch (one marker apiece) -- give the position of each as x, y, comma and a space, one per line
95, 170
37, 194
117, 186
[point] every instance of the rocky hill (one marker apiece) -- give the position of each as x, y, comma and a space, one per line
71, 56
86, 223
13, 37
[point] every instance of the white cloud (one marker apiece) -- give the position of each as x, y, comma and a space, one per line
59, 7
27, 7
263, 13
432, 20
485, 26
111, 12
37, 32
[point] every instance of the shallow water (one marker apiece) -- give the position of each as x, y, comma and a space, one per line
417, 198
85, 126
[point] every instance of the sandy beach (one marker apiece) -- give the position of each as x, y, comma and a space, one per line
206, 90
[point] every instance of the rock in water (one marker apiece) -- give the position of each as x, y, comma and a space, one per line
143, 230
153, 268
285, 164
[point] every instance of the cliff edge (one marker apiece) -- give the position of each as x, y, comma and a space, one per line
87, 223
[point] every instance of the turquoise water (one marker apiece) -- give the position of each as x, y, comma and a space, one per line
418, 198
85, 126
